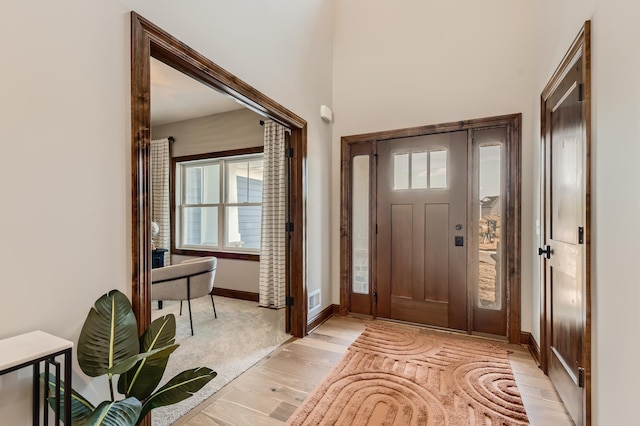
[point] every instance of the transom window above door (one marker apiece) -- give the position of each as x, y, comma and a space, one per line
218, 203
420, 170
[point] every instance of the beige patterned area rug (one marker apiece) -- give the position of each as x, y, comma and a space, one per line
396, 376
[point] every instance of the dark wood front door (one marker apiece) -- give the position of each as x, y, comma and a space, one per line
566, 234
422, 235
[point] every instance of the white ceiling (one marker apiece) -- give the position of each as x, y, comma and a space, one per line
177, 97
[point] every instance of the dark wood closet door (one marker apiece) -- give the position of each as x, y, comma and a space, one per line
565, 215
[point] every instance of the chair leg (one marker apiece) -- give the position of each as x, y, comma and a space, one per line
214, 307
181, 308
190, 319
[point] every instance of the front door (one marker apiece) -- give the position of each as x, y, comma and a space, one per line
566, 234
422, 235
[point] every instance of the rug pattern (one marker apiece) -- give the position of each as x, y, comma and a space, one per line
395, 376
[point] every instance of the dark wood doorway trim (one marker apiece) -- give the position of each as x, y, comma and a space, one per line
512, 213
581, 47
148, 40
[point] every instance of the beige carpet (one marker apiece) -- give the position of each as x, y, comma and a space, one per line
399, 376
242, 335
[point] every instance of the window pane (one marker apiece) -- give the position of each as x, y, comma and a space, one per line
200, 226
211, 184
401, 171
419, 170
244, 181
490, 253
255, 181
193, 185
360, 225
243, 227
438, 169
237, 175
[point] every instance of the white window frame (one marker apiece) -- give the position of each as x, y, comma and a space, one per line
222, 205
429, 186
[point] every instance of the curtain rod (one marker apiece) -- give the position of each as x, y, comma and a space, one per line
171, 139
286, 129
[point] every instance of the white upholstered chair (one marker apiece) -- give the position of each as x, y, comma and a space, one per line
185, 281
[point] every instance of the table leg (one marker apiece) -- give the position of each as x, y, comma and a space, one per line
67, 387
36, 394
45, 414
58, 398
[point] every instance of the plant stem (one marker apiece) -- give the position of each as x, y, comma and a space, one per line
111, 387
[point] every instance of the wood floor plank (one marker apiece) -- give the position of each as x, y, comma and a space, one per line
326, 345
251, 398
277, 387
341, 342
238, 415
284, 411
288, 383
203, 420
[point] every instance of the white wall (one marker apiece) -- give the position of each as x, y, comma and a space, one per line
615, 182
427, 62
65, 175
219, 132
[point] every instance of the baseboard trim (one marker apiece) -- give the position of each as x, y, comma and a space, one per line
236, 294
322, 316
527, 338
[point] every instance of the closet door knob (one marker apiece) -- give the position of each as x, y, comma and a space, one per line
546, 251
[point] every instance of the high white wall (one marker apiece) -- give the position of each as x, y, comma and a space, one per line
615, 182
65, 175
419, 62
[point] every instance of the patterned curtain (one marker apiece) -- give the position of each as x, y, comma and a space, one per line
272, 240
160, 194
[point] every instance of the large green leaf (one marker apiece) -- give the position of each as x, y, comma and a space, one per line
119, 413
141, 380
81, 409
109, 335
127, 364
179, 388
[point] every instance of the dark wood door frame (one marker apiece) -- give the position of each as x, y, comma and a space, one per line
148, 40
512, 210
580, 47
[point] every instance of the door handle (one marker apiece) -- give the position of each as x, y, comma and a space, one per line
546, 251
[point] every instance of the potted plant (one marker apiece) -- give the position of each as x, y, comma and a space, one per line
109, 345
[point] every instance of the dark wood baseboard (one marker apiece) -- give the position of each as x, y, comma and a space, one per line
236, 294
336, 310
526, 338
322, 316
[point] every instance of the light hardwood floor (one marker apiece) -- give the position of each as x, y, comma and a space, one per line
269, 392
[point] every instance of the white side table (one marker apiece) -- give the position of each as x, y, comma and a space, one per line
30, 349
